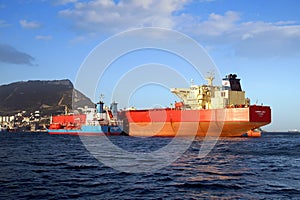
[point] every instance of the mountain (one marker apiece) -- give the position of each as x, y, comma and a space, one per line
49, 97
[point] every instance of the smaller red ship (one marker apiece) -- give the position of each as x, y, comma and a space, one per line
91, 122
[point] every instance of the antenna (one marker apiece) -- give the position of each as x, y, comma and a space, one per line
211, 73
101, 97
210, 77
192, 82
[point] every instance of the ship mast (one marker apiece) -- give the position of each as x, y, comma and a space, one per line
209, 78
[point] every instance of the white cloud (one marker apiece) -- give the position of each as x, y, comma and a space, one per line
108, 16
250, 39
246, 38
29, 24
43, 37
285, 22
217, 25
267, 39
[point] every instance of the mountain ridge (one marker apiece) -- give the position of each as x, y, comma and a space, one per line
47, 96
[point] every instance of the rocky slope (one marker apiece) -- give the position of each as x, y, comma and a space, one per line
49, 97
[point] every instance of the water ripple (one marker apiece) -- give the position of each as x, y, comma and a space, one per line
42, 166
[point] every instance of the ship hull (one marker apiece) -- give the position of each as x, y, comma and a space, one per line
88, 131
229, 122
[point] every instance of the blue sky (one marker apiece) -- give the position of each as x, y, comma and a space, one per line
259, 40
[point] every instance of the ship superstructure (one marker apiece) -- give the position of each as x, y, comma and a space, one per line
198, 97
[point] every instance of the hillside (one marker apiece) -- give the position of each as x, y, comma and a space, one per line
49, 97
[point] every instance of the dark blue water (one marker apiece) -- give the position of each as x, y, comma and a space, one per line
42, 166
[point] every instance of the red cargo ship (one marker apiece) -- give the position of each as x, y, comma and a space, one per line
204, 110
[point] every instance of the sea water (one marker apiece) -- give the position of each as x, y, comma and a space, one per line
42, 166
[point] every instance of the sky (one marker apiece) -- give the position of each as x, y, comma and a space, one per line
258, 40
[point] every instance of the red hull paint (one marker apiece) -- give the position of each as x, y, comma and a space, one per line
214, 122
69, 119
